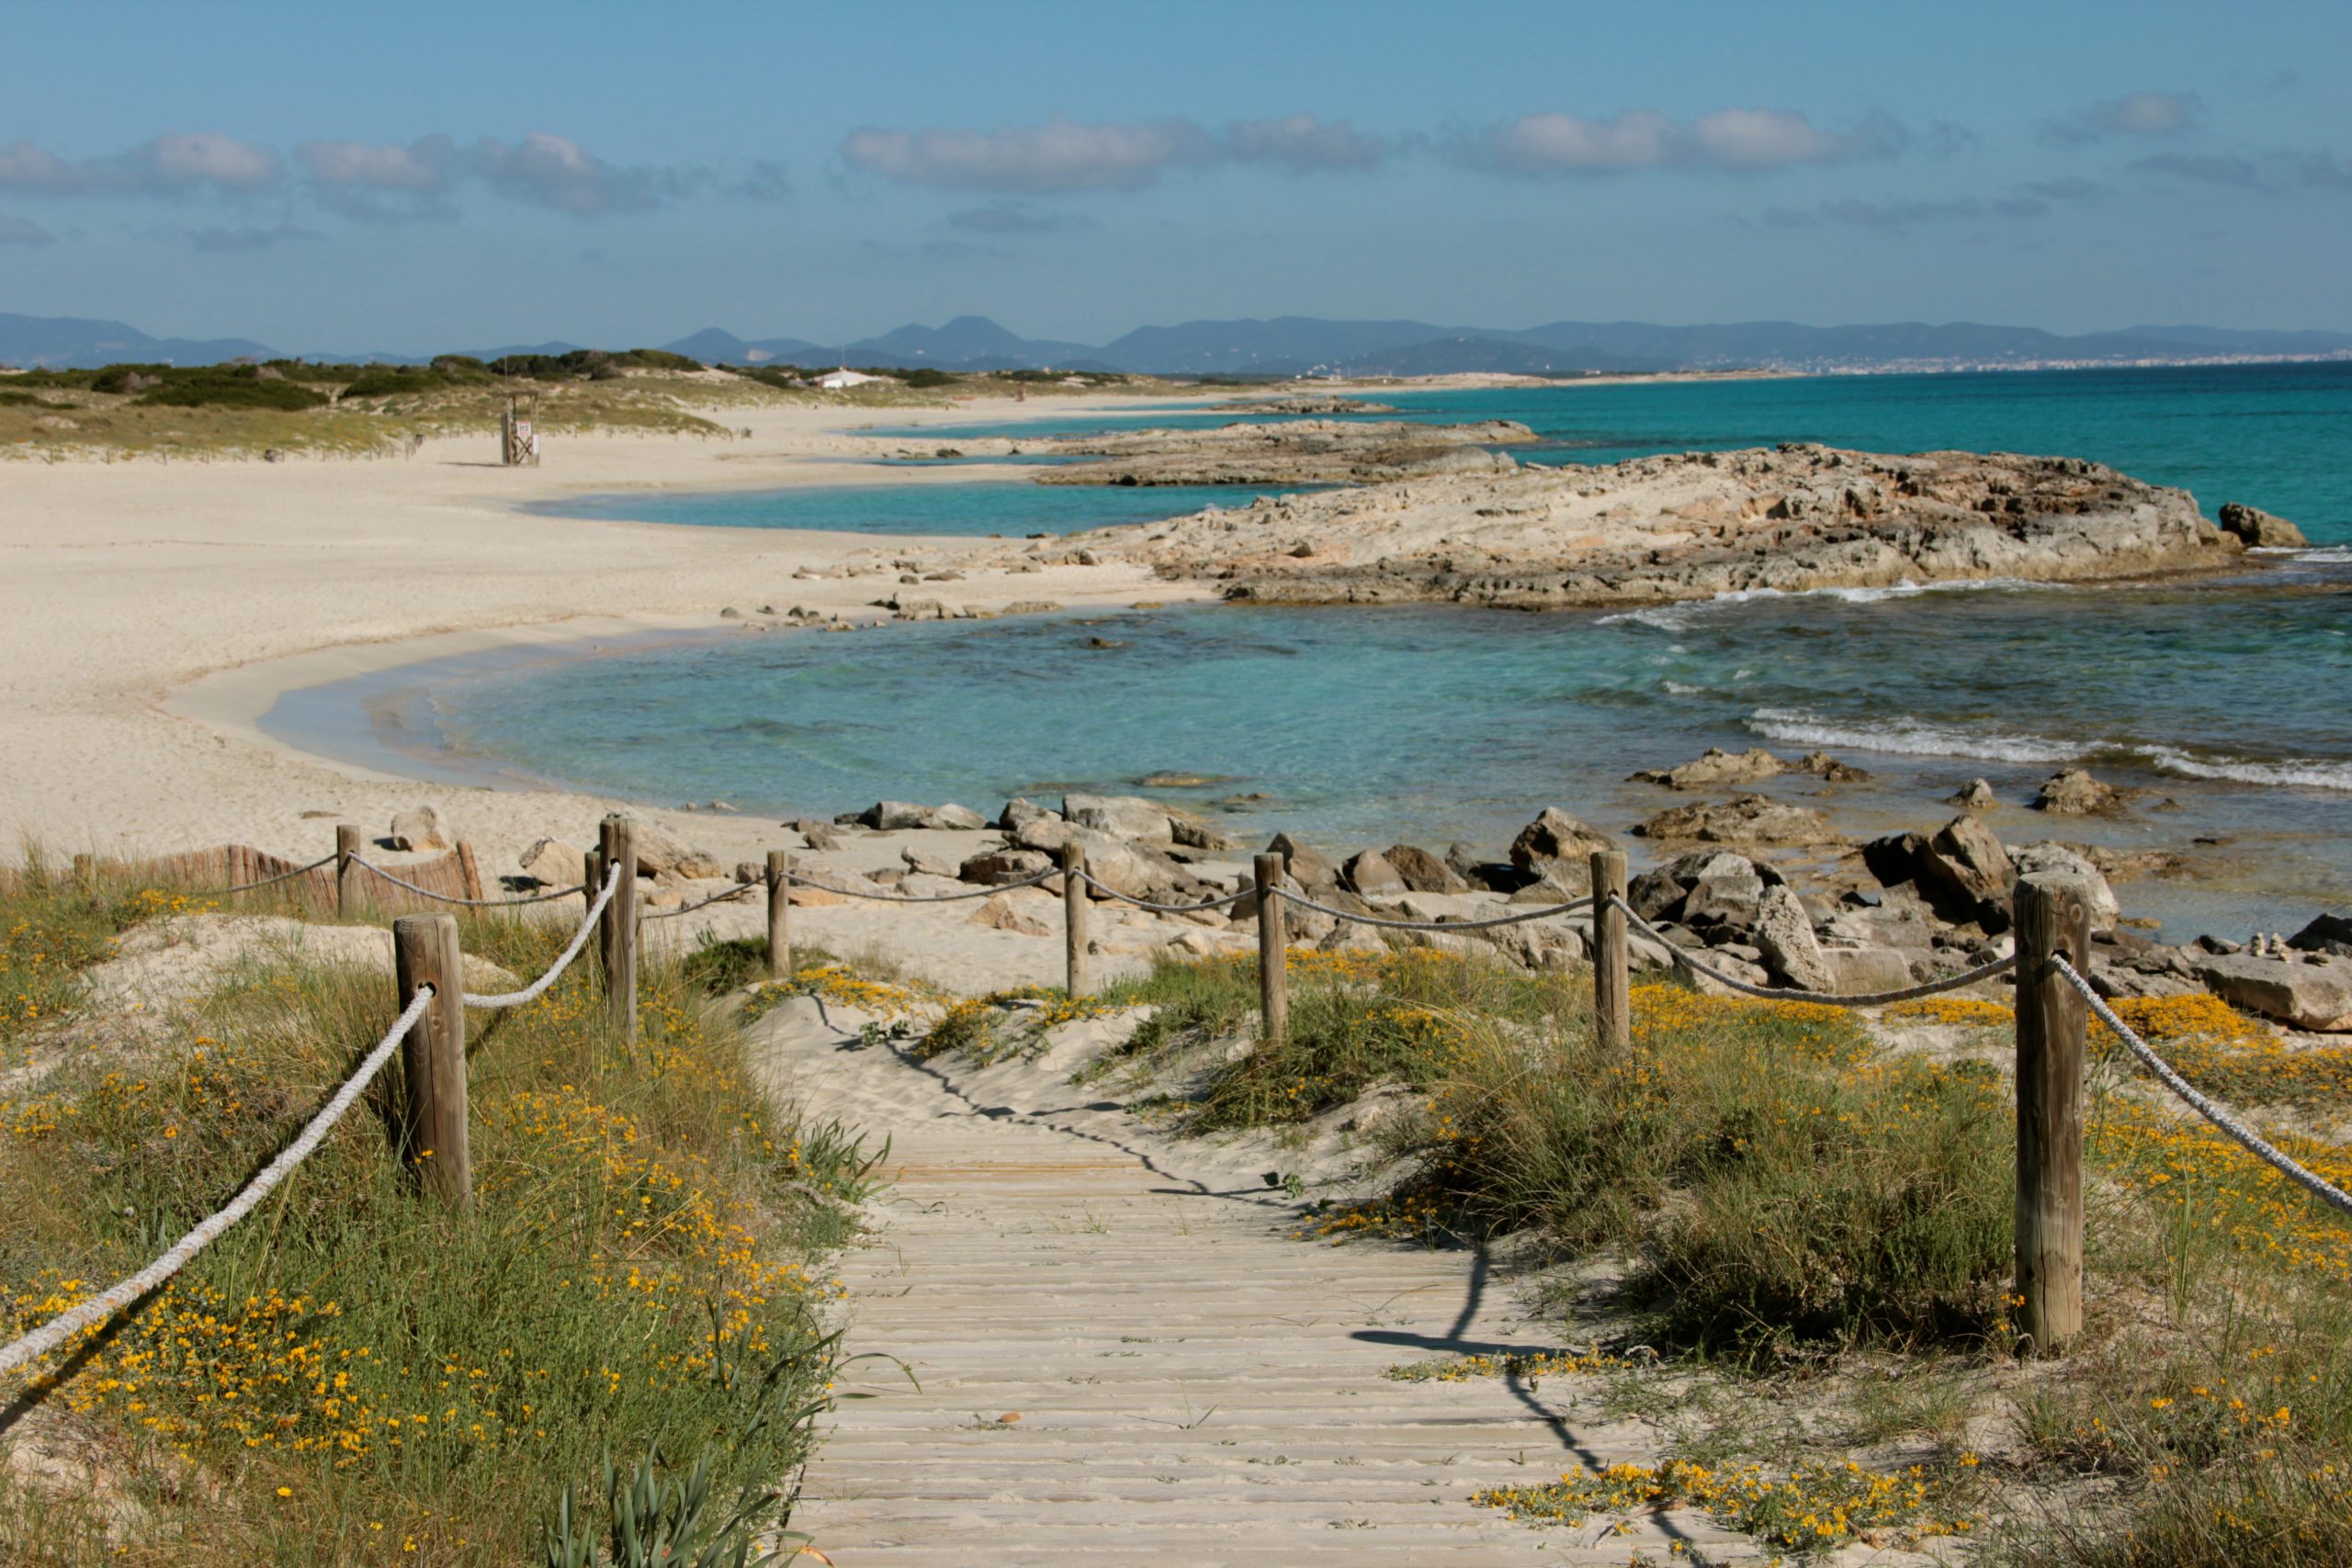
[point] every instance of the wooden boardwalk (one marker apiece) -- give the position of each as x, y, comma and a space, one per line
1126, 1356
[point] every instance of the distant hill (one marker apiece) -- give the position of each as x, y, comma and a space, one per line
73, 342
1296, 346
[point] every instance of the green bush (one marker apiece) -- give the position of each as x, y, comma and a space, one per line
233, 391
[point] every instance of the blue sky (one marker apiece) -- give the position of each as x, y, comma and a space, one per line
405, 179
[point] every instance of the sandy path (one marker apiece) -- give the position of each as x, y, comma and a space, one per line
1194, 1385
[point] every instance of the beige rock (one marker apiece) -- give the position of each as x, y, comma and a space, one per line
1558, 846
551, 863
1001, 913
418, 828
2311, 992
1745, 819
1715, 766
1784, 933
2075, 793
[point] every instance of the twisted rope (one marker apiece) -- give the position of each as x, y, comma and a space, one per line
743, 892
1110, 892
105, 1304
1543, 914
2316, 1185
469, 903
1864, 999
266, 881
537, 988
799, 880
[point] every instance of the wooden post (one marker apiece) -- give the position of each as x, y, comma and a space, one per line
2052, 921
1612, 1013
469, 870
779, 913
347, 890
86, 871
617, 935
425, 952
1274, 946
1074, 918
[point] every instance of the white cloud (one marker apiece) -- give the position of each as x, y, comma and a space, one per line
1303, 143
1060, 155
361, 180
2145, 113
23, 232
547, 170
1735, 139
168, 165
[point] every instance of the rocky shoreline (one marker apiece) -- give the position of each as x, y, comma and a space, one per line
1764, 890
1293, 452
1470, 525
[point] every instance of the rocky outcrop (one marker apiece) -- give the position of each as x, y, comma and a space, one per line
2260, 529
1744, 820
1690, 525
1293, 452
2075, 793
418, 828
2310, 991
1558, 849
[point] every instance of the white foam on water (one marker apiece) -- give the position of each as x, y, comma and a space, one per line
1677, 689
1674, 617
2332, 555
1911, 738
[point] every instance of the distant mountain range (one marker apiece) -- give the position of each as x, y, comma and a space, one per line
1295, 345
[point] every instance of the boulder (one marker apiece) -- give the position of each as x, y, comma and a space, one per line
925, 863
1715, 766
418, 828
2313, 993
1829, 769
1136, 870
1784, 933
815, 831
1973, 795
2260, 528
1894, 859
661, 852
1966, 859
1369, 875
1120, 816
1543, 944
2057, 860
2328, 933
551, 863
1744, 819
807, 898
1310, 868
1558, 847
2075, 793
1864, 971
1019, 813
952, 818
1187, 829
997, 867
1726, 899
1423, 871
1001, 913
891, 815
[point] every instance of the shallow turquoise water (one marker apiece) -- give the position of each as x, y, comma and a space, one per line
1430, 724
1013, 508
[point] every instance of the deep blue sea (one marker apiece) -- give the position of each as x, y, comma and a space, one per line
2230, 700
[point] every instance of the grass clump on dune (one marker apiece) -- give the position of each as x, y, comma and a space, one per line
354, 1373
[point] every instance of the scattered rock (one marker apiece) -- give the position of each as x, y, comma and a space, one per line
551, 863
2313, 993
1863, 971
1030, 607
1311, 868
1966, 861
2328, 933
1121, 816
1369, 875
1829, 769
418, 828
661, 852
1559, 848
952, 818
2260, 528
2075, 793
1784, 933
1019, 813
1715, 766
807, 897
996, 867
1181, 781
1973, 795
925, 863
1744, 819
1423, 871
1000, 913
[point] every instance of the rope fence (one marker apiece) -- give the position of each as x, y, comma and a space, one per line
1683, 959
537, 988
375, 870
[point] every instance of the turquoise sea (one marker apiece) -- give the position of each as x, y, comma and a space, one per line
2229, 700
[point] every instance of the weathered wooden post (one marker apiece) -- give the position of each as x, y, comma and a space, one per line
425, 952
347, 891
1074, 918
2052, 922
779, 913
1612, 1013
86, 871
1274, 947
617, 935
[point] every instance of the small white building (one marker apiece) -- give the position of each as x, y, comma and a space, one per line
834, 380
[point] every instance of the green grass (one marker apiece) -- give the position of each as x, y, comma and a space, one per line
353, 1369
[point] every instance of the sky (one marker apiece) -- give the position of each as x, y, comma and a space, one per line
404, 179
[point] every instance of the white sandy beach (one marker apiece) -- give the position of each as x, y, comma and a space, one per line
157, 610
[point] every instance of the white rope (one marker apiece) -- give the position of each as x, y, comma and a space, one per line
1110, 892
100, 1307
537, 988
470, 903
2317, 1186
1543, 914
798, 880
1863, 999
